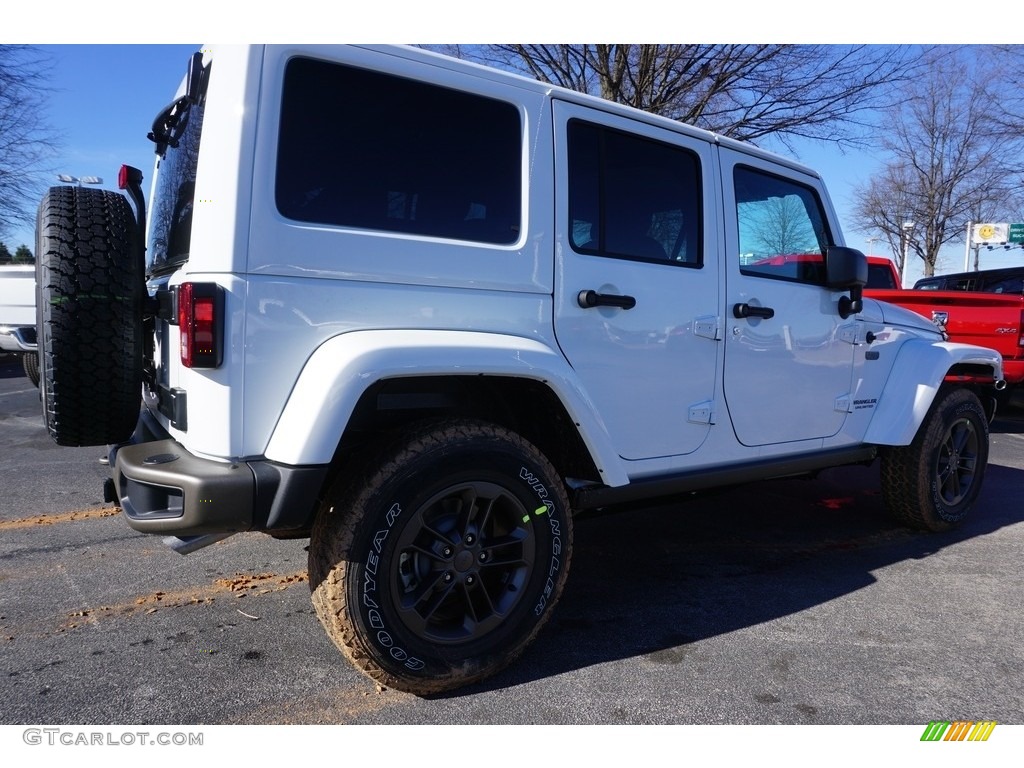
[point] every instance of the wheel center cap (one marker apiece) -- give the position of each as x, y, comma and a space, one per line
464, 561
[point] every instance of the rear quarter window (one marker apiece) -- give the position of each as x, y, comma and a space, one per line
374, 151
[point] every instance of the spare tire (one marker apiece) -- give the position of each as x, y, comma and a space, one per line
90, 279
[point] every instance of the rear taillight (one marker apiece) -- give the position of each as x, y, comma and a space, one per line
201, 324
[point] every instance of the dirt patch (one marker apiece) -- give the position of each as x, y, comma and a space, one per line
260, 583
64, 517
238, 586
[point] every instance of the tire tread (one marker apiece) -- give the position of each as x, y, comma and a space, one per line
334, 532
906, 475
90, 283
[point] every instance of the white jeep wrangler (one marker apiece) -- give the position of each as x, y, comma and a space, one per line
422, 312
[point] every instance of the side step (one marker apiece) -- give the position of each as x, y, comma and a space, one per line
188, 544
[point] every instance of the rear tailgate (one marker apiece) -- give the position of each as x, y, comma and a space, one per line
18, 295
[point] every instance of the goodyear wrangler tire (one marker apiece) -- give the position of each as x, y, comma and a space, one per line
90, 283
438, 566
933, 483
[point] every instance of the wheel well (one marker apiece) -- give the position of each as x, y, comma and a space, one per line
978, 379
525, 406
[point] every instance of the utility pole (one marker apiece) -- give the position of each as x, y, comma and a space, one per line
967, 249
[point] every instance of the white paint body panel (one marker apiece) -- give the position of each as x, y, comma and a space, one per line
18, 295
340, 370
645, 367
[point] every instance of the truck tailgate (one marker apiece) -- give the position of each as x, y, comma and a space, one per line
986, 319
18, 295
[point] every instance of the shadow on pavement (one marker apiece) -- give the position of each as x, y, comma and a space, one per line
11, 368
651, 581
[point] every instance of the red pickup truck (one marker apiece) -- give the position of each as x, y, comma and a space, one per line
969, 315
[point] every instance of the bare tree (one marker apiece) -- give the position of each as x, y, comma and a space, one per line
884, 205
1004, 69
25, 139
749, 92
952, 161
782, 227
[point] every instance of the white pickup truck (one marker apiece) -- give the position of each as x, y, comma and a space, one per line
18, 315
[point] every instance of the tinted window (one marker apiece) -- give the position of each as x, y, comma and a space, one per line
782, 229
1011, 285
880, 276
369, 150
1009, 281
174, 198
633, 198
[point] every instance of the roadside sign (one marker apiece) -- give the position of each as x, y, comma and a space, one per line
990, 234
1016, 234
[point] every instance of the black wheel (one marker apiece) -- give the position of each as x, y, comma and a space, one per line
90, 282
30, 362
439, 565
933, 482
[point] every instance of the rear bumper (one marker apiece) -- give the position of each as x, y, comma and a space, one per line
164, 489
1013, 371
17, 338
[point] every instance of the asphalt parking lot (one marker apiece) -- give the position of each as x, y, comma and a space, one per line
786, 602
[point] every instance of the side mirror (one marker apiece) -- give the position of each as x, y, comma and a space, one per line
846, 268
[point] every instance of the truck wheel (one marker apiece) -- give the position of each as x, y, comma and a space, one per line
30, 362
90, 278
933, 482
436, 566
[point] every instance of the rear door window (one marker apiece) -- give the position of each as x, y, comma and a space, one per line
631, 197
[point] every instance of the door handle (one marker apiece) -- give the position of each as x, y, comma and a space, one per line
745, 310
590, 299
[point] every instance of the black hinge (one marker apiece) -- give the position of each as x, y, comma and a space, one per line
173, 404
167, 305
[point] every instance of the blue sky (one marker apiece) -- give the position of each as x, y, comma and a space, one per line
105, 97
104, 100
102, 104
